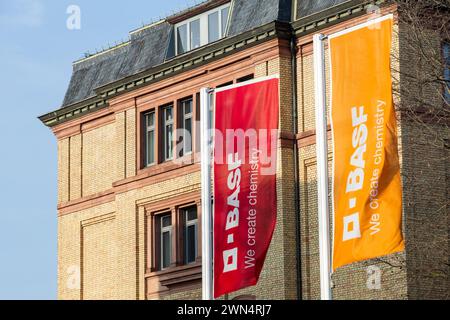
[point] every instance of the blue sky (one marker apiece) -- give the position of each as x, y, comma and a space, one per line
36, 55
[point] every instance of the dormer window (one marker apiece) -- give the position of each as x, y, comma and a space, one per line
202, 29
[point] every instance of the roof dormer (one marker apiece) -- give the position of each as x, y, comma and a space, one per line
203, 28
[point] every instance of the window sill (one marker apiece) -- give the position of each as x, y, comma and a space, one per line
173, 279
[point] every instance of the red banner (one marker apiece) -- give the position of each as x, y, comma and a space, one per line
245, 201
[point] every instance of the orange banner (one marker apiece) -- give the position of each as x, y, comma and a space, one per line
367, 195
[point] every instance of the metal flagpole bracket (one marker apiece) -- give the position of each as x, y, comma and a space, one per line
207, 229
322, 166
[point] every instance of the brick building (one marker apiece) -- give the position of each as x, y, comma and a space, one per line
128, 215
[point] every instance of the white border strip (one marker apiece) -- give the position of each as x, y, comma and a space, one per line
362, 25
237, 85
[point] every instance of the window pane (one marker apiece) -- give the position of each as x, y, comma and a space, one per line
187, 126
191, 243
150, 146
150, 119
213, 27
191, 214
168, 113
166, 221
169, 142
195, 34
182, 39
188, 137
149, 138
166, 250
168, 133
246, 78
224, 13
187, 105
225, 84
191, 234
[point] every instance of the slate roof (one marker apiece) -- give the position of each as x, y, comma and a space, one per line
308, 7
250, 14
153, 45
145, 49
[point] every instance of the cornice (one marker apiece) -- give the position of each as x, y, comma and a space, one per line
74, 111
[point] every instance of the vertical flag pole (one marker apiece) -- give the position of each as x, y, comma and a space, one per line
207, 250
322, 167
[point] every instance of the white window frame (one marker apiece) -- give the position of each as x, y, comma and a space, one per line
203, 27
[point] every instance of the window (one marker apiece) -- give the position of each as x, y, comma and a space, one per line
172, 242
173, 233
224, 19
168, 132
213, 27
166, 241
186, 109
202, 29
149, 138
189, 215
226, 84
246, 78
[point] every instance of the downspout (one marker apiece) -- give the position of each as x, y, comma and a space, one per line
296, 164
